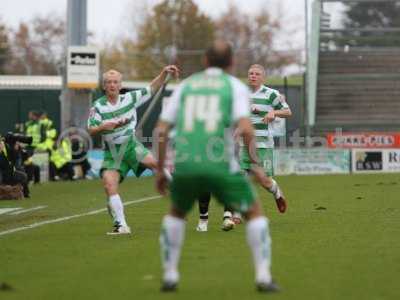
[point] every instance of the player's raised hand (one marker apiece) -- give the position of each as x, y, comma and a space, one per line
173, 70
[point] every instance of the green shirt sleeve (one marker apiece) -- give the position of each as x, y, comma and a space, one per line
140, 96
94, 118
279, 102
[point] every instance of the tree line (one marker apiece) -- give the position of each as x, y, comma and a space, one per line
170, 32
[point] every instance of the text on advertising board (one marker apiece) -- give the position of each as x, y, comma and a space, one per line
363, 140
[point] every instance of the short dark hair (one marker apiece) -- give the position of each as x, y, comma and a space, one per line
220, 54
34, 112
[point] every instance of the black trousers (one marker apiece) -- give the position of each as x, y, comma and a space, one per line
66, 171
204, 203
85, 166
33, 172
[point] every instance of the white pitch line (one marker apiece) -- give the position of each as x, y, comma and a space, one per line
21, 211
58, 220
8, 209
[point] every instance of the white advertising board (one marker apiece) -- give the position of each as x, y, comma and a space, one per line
83, 67
375, 160
309, 161
391, 160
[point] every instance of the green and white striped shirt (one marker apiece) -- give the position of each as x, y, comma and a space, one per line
124, 108
264, 100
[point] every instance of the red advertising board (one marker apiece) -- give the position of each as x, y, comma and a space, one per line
363, 140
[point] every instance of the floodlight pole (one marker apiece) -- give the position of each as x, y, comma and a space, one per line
75, 103
305, 83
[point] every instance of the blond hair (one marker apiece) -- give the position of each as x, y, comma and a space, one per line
260, 67
111, 72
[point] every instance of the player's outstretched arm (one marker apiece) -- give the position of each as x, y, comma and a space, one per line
157, 82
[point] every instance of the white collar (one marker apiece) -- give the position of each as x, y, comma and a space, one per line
213, 71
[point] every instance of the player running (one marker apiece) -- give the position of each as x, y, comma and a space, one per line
114, 117
266, 105
205, 109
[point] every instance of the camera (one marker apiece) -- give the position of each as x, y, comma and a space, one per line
18, 154
12, 168
11, 138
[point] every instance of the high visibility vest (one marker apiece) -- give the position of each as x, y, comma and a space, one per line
32, 128
61, 155
48, 135
51, 132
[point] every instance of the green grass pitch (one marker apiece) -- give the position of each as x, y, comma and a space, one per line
340, 239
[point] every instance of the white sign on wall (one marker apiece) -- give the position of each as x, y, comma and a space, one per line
391, 160
311, 161
375, 160
83, 67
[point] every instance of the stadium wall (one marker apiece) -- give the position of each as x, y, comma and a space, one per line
15, 105
18, 99
313, 161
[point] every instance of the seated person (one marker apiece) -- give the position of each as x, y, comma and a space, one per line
79, 159
9, 175
60, 161
23, 162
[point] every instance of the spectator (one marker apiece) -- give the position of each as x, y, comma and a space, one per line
47, 133
32, 128
60, 161
79, 159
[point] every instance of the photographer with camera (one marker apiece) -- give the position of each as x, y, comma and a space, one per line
12, 156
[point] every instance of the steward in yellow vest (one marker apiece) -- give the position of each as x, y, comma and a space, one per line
60, 161
47, 132
33, 128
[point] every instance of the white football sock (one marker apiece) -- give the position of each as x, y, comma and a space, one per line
168, 174
117, 209
171, 240
259, 241
203, 217
227, 214
275, 190
237, 215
